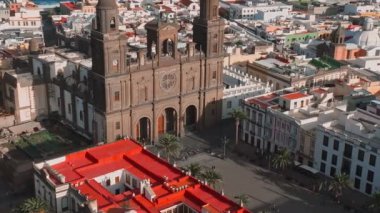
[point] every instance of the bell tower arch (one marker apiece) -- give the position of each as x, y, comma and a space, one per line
162, 40
209, 29
108, 45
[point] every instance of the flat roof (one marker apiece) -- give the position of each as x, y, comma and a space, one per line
293, 96
81, 168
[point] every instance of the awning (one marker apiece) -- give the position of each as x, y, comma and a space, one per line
308, 168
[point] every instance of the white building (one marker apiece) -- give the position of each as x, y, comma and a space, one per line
286, 119
350, 144
249, 10
271, 15
238, 86
358, 8
26, 19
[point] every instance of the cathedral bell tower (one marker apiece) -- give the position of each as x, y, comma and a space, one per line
108, 45
209, 29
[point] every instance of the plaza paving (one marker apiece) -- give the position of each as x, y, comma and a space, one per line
264, 188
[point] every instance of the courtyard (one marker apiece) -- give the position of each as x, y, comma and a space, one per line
266, 190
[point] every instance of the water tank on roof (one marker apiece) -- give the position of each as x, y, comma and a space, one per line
34, 45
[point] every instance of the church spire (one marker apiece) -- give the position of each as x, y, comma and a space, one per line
107, 17
209, 10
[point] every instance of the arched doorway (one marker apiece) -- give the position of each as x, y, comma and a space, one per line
171, 121
191, 117
143, 129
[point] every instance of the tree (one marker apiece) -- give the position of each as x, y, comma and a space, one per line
170, 145
238, 115
212, 177
282, 160
32, 205
195, 169
242, 199
336, 185
375, 202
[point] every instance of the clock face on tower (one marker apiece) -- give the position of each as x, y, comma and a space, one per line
168, 81
114, 62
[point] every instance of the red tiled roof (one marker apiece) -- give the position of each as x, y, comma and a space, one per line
69, 5
293, 96
319, 91
82, 167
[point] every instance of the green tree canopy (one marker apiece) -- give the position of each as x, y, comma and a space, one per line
170, 145
32, 205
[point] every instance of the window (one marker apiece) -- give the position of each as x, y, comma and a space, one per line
117, 96
347, 151
323, 167
332, 171
113, 23
372, 160
357, 183
134, 183
334, 160
368, 188
117, 179
258, 143
359, 171
229, 104
65, 204
108, 182
370, 176
128, 179
295, 104
81, 115
325, 141
11, 94
336, 145
117, 125
361, 155
346, 166
69, 108
324, 155
214, 75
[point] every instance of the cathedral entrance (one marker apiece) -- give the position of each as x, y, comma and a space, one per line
171, 121
191, 117
143, 130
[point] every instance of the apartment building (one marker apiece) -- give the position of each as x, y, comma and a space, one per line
286, 119
350, 144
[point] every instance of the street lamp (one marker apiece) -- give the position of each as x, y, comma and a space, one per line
225, 142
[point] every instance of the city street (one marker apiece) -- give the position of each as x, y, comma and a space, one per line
265, 189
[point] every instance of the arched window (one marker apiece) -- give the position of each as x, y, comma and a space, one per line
113, 23
168, 47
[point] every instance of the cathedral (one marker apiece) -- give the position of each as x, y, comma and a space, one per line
166, 90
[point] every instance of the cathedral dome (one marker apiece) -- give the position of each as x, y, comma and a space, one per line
367, 39
107, 4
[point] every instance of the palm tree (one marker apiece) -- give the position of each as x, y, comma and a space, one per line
336, 185
238, 115
170, 145
242, 199
211, 176
282, 160
32, 205
375, 202
195, 169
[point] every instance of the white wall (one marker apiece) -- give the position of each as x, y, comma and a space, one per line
90, 112
68, 102
79, 110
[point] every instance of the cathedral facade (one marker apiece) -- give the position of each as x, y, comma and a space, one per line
165, 90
